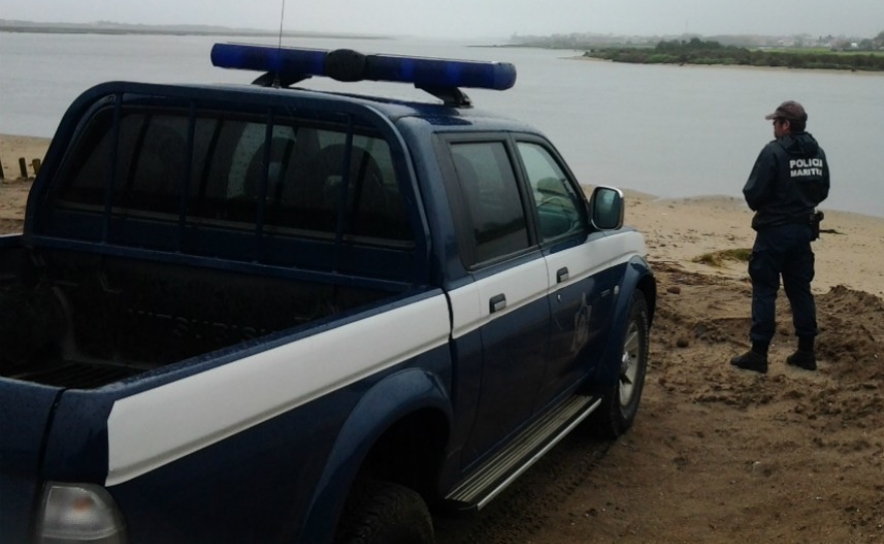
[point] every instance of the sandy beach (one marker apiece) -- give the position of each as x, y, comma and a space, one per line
679, 231
14, 147
13, 187
717, 455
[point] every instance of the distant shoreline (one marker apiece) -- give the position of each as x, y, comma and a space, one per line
851, 73
698, 52
185, 30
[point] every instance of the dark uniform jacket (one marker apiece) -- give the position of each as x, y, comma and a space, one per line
789, 179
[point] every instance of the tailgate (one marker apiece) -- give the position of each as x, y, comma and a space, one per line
25, 411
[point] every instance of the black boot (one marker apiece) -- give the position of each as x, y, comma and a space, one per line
755, 359
802, 359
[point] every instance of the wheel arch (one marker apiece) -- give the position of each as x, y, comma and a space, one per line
637, 278
648, 286
387, 413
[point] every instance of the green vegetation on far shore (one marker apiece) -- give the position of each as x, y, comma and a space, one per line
697, 51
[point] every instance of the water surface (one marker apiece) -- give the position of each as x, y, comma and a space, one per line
673, 131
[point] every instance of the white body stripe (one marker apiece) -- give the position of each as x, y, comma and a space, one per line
155, 427
158, 426
522, 285
534, 280
593, 257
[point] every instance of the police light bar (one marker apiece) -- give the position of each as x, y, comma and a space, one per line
291, 65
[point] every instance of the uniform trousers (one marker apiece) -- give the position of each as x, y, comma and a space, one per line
782, 251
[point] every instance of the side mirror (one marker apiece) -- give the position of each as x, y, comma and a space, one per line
606, 208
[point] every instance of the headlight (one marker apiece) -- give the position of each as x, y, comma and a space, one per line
76, 513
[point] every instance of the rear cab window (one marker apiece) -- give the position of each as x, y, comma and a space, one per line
244, 174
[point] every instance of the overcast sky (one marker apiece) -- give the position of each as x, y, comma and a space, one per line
479, 18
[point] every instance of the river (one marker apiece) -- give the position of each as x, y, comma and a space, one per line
672, 131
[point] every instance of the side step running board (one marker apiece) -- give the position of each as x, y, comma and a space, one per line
498, 472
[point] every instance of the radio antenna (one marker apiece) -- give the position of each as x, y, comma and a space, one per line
281, 19
276, 82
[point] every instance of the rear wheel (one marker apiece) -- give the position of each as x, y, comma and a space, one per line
385, 513
620, 401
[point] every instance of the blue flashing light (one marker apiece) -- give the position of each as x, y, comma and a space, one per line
269, 59
345, 65
429, 72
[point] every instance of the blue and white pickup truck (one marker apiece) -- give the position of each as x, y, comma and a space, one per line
267, 314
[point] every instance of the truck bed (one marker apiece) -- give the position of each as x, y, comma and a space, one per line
83, 320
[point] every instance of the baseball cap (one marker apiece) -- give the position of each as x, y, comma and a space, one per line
790, 110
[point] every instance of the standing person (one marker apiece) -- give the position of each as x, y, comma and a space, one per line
789, 179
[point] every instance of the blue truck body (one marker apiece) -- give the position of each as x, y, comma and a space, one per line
228, 366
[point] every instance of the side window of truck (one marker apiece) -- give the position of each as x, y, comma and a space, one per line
558, 205
492, 199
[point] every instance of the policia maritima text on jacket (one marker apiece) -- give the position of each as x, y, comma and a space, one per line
789, 179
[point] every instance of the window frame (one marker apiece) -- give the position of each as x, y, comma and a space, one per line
99, 231
268, 121
460, 212
582, 203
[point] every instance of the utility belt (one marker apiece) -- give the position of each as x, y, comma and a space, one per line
813, 220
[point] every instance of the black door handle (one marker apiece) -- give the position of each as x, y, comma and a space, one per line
562, 275
497, 303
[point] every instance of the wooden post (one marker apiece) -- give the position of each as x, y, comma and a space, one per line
35, 164
24, 167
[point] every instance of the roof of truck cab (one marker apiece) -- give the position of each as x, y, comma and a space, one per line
434, 113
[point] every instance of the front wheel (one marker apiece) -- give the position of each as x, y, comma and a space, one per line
385, 513
620, 401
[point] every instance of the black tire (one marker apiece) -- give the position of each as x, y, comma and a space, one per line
385, 513
620, 402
